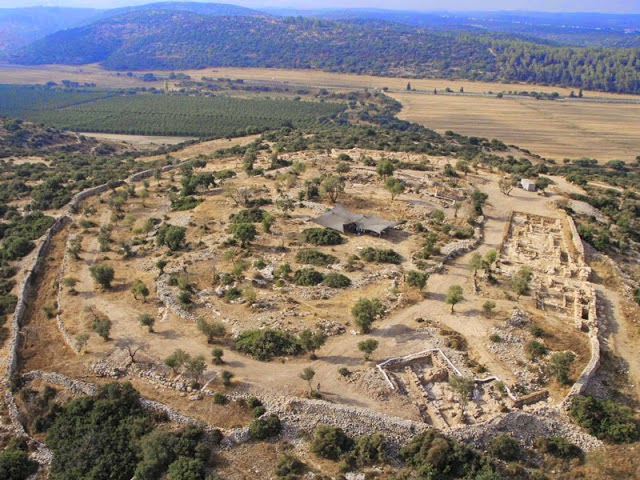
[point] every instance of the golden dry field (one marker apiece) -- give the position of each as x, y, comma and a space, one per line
342, 80
17, 74
554, 129
139, 140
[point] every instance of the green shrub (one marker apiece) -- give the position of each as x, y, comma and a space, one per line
161, 449
253, 402
462, 232
605, 419
14, 248
535, 349
417, 279
16, 465
258, 411
8, 304
185, 203
289, 467
314, 257
307, 277
232, 294
377, 255
266, 344
505, 448
321, 236
560, 366
344, 371
185, 468
265, 427
252, 215
330, 442
433, 455
369, 450
537, 331
488, 307
558, 447
336, 280
455, 340
220, 399
112, 419
495, 338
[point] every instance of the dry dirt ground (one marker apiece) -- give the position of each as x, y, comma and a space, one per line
293, 307
139, 140
298, 307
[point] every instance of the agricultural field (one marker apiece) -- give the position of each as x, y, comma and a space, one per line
553, 129
595, 128
23, 75
158, 114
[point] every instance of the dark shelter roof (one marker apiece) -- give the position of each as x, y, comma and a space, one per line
339, 217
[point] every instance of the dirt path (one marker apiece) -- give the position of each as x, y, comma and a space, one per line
622, 339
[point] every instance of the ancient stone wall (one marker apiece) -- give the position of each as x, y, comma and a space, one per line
24, 290
63, 330
505, 233
591, 369
576, 241
79, 197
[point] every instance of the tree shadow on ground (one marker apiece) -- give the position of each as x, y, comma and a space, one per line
340, 360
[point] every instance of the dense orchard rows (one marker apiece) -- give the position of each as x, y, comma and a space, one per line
156, 114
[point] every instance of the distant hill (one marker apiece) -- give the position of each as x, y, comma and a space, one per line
149, 38
211, 9
160, 39
21, 26
571, 29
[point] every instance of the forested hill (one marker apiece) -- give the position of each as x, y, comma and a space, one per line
21, 26
161, 39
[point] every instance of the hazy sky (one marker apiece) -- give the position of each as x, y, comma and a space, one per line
618, 6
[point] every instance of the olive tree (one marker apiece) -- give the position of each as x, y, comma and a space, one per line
394, 186
332, 186
139, 289
147, 320
307, 375
454, 296
365, 311
367, 347
245, 233
102, 274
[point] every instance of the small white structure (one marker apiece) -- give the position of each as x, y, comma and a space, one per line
528, 185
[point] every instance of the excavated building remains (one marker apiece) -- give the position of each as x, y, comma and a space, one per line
424, 378
553, 250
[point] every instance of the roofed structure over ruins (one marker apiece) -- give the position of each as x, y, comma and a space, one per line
342, 220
